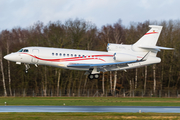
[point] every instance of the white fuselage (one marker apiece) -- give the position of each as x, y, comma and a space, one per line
59, 57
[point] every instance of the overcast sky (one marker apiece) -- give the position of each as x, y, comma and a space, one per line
24, 13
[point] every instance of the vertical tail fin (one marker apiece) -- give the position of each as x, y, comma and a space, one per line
149, 39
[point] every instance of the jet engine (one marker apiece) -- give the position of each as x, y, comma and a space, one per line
124, 57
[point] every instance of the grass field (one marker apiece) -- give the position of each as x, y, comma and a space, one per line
89, 116
90, 101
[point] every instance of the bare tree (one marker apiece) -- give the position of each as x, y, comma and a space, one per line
136, 74
45, 81
58, 81
145, 79
110, 81
6, 37
118, 35
115, 80
154, 78
103, 84
2, 71
9, 71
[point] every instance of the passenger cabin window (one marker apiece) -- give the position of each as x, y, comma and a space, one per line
56, 54
60, 54
68, 55
71, 55
53, 54
79, 55
64, 55
75, 55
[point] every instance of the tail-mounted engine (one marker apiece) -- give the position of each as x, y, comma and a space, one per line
124, 57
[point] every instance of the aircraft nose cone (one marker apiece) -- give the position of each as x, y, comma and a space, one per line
8, 57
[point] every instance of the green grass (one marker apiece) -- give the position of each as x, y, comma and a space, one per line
89, 116
85, 101
90, 101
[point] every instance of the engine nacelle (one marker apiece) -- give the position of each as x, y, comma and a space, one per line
118, 47
124, 57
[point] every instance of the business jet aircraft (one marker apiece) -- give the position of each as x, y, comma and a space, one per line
118, 57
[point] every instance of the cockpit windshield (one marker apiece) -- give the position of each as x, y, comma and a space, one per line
20, 50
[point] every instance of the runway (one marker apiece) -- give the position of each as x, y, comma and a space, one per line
120, 109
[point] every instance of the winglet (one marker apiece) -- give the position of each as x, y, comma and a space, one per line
146, 56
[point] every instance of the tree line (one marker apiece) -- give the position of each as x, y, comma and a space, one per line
80, 34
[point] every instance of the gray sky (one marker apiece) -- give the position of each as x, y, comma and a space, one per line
24, 13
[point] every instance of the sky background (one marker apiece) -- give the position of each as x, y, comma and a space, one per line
24, 13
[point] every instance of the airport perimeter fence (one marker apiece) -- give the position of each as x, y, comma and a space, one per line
92, 93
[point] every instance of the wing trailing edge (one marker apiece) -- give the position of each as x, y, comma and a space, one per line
120, 64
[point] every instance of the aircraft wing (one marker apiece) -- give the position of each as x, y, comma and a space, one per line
100, 64
108, 66
103, 66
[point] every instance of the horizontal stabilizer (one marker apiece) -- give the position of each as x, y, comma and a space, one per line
155, 48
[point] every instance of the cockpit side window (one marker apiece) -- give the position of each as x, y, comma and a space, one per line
25, 50
20, 50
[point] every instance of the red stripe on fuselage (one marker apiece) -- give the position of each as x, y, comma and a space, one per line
139, 57
71, 59
151, 33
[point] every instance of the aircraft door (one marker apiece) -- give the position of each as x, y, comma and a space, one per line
35, 55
